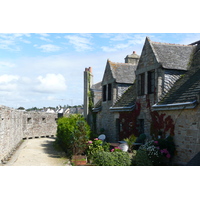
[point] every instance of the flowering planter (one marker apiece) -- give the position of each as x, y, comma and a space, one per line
79, 160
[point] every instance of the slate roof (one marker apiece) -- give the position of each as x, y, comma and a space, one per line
126, 101
123, 72
96, 86
170, 78
97, 106
173, 56
186, 89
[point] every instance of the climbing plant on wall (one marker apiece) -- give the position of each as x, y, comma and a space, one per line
160, 123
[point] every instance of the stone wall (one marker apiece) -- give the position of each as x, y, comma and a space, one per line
146, 101
186, 133
16, 125
107, 120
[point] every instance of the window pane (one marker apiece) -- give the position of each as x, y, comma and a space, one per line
109, 91
104, 93
151, 82
142, 83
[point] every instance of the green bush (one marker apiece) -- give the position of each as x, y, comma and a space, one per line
117, 158
158, 153
73, 133
95, 146
141, 159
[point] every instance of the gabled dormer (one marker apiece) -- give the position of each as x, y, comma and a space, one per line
160, 66
116, 80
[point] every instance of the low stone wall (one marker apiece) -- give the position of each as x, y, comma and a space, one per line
16, 125
39, 124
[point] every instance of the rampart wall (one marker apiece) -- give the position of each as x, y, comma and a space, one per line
16, 125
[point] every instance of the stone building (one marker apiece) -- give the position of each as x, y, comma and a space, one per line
159, 67
117, 78
164, 99
161, 99
181, 103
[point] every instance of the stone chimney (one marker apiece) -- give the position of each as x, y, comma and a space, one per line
133, 58
88, 82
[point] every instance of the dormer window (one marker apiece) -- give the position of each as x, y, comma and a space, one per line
104, 92
151, 82
107, 92
141, 84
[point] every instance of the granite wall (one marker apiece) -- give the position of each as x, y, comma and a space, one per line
16, 125
186, 133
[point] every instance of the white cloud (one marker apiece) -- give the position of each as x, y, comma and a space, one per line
25, 41
108, 49
9, 41
128, 41
80, 43
120, 37
8, 45
8, 82
43, 34
51, 83
8, 78
48, 47
6, 64
45, 39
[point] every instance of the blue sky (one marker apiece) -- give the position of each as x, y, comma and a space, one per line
46, 69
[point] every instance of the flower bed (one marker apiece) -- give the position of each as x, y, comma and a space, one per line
155, 152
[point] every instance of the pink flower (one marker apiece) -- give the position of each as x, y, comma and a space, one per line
156, 142
168, 155
89, 142
164, 151
96, 139
112, 150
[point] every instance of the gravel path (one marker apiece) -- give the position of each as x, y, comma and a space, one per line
38, 152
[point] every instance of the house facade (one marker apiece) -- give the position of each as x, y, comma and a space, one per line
161, 99
159, 67
117, 78
182, 105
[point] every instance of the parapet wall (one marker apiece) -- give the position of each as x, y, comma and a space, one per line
16, 125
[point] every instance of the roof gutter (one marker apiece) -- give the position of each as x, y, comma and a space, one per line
121, 109
175, 106
96, 109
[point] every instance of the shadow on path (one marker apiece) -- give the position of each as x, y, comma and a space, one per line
50, 149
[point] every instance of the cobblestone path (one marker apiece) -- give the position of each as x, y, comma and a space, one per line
38, 152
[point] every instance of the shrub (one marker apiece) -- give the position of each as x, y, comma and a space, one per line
130, 142
158, 152
141, 159
116, 158
72, 134
95, 146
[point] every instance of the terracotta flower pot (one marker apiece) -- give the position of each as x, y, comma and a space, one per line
79, 160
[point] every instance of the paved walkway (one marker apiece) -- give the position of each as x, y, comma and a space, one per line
38, 152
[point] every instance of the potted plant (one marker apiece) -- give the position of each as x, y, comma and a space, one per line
79, 160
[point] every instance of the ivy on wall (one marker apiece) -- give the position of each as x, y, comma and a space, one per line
129, 122
160, 123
